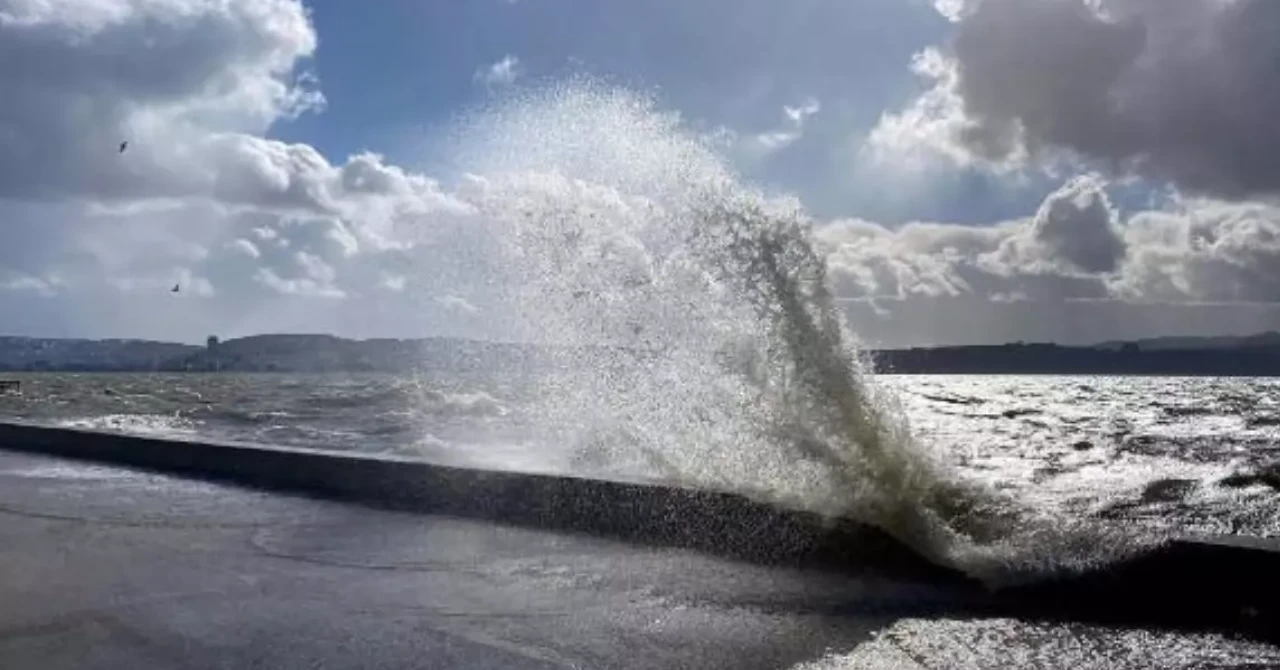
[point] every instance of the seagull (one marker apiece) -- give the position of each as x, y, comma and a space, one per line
124, 145
174, 289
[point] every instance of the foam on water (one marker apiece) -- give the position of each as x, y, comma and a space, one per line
1004, 643
159, 425
607, 223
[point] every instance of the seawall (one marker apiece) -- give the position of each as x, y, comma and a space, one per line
721, 523
1224, 584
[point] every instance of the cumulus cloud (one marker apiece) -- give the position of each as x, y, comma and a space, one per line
191, 86
1074, 230
501, 73
311, 276
932, 127
1067, 250
86, 76
1075, 248
199, 196
1206, 251
1178, 91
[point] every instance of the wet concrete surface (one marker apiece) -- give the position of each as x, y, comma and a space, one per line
105, 567
102, 567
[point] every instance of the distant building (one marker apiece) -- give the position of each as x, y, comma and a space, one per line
211, 353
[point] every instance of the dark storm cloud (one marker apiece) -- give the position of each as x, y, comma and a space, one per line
1183, 91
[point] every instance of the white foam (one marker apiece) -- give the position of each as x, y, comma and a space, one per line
161, 425
1005, 643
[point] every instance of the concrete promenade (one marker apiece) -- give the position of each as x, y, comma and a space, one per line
373, 563
102, 567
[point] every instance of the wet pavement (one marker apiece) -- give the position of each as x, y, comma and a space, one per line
104, 567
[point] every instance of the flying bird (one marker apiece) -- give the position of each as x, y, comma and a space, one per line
124, 145
174, 289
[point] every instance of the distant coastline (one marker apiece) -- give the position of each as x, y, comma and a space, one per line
1257, 355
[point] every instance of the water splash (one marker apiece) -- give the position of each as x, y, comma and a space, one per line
701, 343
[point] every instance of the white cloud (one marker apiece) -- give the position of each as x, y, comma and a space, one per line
246, 247
1074, 248
297, 286
160, 285
454, 302
791, 130
179, 80
45, 286
199, 196
952, 9
1204, 251
797, 115
933, 129
501, 73
394, 283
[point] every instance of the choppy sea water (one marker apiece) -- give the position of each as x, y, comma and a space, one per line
1181, 454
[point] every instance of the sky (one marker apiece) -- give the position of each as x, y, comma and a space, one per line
974, 171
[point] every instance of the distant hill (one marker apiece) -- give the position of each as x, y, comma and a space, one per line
327, 353
33, 353
1267, 339
1255, 355
273, 353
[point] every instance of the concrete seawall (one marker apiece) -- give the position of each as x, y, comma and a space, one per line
720, 523
1203, 583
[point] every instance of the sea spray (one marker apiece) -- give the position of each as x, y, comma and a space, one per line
725, 361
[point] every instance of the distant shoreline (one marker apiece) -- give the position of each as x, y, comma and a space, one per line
1046, 361
1253, 356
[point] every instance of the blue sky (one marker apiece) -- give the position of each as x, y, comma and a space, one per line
973, 170
718, 62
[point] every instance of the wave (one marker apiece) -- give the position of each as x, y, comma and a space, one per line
477, 403
159, 425
612, 224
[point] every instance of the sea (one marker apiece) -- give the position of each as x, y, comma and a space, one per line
1194, 455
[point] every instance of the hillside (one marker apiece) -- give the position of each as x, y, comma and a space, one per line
30, 353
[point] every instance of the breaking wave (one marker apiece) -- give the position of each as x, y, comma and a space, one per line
729, 364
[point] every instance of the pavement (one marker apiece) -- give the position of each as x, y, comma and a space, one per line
107, 567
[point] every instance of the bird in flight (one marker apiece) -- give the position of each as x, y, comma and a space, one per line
174, 289
124, 145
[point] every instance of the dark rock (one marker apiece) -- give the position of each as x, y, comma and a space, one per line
1168, 490
1082, 445
1015, 413
1268, 476
1262, 420
1186, 411
953, 399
